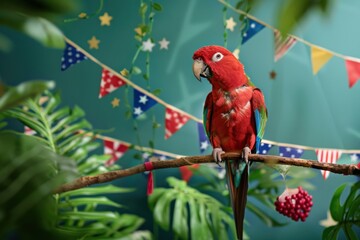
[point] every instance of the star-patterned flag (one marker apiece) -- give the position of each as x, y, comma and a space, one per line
282, 46
290, 152
253, 28
264, 148
355, 158
109, 82
29, 131
71, 56
142, 103
327, 156
203, 140
173, 121
114, 148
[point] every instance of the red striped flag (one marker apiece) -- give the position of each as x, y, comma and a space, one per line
282, 45
327, 156
115, 149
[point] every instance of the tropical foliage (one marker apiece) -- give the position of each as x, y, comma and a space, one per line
347, 215
65, 132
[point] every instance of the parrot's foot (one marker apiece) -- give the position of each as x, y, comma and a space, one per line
217, 155
245, 154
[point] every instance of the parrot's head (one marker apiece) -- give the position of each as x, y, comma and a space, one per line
219, 66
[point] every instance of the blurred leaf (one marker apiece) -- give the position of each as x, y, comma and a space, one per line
45, 8
156, 92
101, 190
346, 215
44, 31
331, 233
29, 174
293, 11
38, 28
335, 206
15, 95
143, 9
135, 70
157, 7
85, 201
5, 44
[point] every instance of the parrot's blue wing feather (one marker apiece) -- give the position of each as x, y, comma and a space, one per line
207, 115
260, 115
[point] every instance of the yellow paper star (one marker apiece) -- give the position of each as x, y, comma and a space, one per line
105, 19
124, 72
83, 15
115, 102
230, 24
139, 31
94, 43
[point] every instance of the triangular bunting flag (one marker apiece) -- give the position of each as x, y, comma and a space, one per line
142, 103
114, 148
253, 28
264, 148
353, 71
319, 57
173, 121
186, 172
355, 158
203, 140
282, 46
109, 83
29, 131
327, 156
290, 152
71, 56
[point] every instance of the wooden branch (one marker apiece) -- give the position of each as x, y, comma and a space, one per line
346, 169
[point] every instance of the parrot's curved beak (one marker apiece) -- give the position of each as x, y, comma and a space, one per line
200, 69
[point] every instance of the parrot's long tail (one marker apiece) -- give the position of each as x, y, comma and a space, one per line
237, 176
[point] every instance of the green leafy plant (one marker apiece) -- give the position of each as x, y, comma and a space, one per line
347, 215
81, 213
265, 184
32, 18
209, 219
29, 174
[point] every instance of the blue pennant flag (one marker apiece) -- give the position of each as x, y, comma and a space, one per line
290, 152
264, 148
71, 56
203, 140
253, 28
142, 103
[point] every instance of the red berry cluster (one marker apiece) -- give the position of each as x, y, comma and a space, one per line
294, 203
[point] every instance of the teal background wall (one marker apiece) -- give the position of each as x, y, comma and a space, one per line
318, 111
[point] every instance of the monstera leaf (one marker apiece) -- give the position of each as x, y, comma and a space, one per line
347, 215
209, 219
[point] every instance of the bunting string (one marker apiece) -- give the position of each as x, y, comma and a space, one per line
187, 115
130, 83
239, 11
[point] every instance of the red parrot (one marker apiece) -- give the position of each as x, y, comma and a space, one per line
234, 117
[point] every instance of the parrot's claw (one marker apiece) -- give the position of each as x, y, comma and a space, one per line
245, 154
217, 155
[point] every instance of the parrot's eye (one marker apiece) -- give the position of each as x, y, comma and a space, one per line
217, 57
